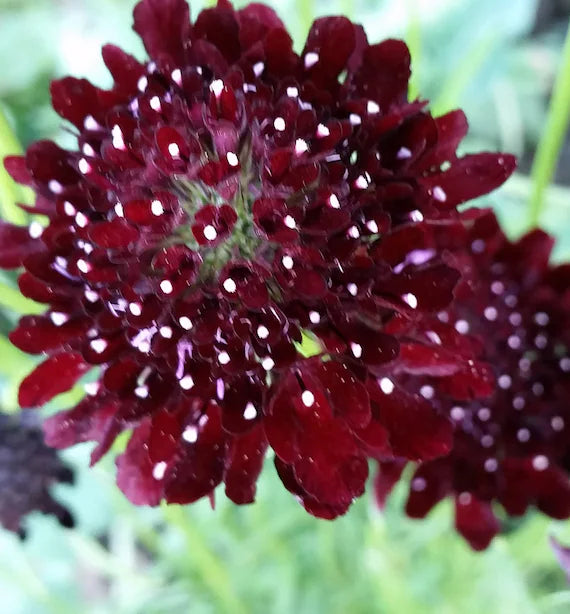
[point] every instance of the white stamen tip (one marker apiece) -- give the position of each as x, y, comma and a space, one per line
210, 232
186, 383
308, 398
166, 286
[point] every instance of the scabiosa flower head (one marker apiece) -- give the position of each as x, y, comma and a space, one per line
28, 470
512, 308
231, 204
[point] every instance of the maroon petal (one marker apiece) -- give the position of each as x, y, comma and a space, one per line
469, 177
314, 507
429, 288
416, 431
384, 73
429, 485
135, 469
475, 520
57, 374
75, 100
200, 464
330, 44
89, 420
451, 129
387, 476
15, 245
243, 465
114, 234
39, 334
219, 27
164, 26
124, 68
330, 467
17, 169
348, 396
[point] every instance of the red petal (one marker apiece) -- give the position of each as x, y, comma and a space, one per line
75, 99
416, 431
475, 520
219, 27
39, 334
468, 178
164, 26
243, 465
17, 169
135, 469
126, 70
55, 375
114, 234
386, 478
333, 40
200, 465
429, 485
384, 73
15, 245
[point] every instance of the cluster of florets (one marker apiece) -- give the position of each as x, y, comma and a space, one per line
28, 470
241, 254
512, 309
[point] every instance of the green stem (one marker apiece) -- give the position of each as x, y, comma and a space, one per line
470, 64
12, 299
414, 42
550, 143
10, 192
213, 573
347, 8
305, 17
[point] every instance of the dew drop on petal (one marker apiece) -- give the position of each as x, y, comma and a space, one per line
186, 383
540, 462
308, 398
159, 470
386, 385
190, 434
229, 285
250, 412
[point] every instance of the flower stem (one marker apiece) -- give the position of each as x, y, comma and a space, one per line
305, 17
414, 42
208, 564
10, 193
550, 143
12, 299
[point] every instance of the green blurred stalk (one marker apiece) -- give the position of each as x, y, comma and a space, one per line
305, 17
10, 192
347, 8
12, 299
414, 42
550, 143
213, 573
463, 75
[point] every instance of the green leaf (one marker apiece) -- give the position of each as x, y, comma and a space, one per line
12, 299
414, 42
553, 136
10, 192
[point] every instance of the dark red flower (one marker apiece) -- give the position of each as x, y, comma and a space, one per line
28, 470
511, 309
229, 200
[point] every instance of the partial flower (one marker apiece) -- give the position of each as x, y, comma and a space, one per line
513, 448
28, 470
230, 200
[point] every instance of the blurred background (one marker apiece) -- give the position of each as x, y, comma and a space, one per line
496, 60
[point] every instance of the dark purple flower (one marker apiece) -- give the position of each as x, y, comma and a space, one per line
28, 470
512, 310
229, 201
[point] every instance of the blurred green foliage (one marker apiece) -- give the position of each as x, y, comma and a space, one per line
272, 557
